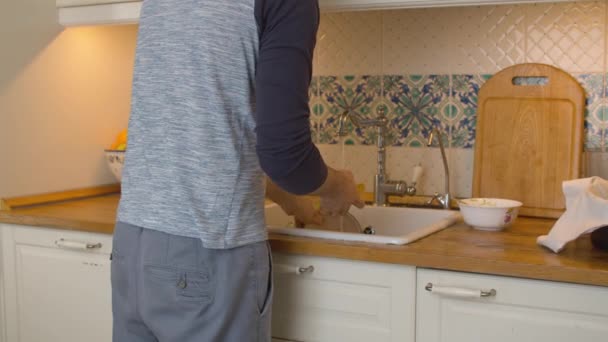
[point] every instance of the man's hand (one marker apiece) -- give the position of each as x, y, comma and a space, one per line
303, 210
338, 193
299, 206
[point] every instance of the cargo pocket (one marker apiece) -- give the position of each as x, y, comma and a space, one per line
188, 285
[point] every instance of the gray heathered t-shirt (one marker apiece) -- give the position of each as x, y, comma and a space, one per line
219, 99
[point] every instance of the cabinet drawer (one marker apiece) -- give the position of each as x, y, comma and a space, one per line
325, 299
65, 239
450, 307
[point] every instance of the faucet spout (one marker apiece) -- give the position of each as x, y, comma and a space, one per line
444, 199
342, 123
382, 185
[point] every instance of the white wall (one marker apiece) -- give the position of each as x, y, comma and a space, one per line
64, 95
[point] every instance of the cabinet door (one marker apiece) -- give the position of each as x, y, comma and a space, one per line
453, 310
57, 285
330, 300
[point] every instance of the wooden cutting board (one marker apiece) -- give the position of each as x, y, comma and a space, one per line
529, 137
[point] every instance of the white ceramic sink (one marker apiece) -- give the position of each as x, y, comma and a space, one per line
395, 226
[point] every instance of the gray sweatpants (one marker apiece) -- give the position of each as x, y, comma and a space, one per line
169, 288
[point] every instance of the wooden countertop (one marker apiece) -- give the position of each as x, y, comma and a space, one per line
512, 252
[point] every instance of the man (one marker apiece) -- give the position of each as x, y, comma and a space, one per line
220, 94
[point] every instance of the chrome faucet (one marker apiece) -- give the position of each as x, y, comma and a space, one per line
442, 199
383, 187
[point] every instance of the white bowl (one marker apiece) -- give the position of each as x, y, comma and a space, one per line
115, 159
489, 213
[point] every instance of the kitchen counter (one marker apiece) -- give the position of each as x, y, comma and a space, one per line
512, 252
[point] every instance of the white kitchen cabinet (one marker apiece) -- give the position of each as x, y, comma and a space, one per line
329, 300
98, 12
2, 301
56, 285
520, 310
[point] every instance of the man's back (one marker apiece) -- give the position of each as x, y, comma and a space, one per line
220, 93
191, 166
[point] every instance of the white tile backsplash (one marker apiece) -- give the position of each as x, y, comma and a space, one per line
461, 40
569, 35
349, 44
596, 164
416, 41
400, 163
486, 39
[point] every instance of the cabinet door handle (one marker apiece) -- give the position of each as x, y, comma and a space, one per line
63, 243
459, 291
292, 269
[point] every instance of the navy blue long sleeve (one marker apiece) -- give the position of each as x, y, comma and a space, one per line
287, 30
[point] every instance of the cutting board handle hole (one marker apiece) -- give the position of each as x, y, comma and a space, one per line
530, 80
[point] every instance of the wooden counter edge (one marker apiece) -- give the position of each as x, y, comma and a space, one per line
403, 256
24, 201
57, 223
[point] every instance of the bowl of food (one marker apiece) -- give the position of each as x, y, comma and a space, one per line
115, 160
492, 214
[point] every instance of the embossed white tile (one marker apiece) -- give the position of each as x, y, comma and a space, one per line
596, 164
361, 161
485, 39
415, 41
402, 160
461, 162
569, 35
332, 154
400, 163
349, 43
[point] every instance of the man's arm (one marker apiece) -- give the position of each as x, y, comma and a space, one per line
299, 206
288, 31
285, 150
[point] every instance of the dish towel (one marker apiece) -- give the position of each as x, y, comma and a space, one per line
586, 210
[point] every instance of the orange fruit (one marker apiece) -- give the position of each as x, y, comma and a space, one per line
120, 142
121, 138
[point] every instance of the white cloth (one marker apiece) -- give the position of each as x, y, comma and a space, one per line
586, 210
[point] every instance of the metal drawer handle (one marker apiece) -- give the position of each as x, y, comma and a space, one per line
291, 269
459, 292
63, 243
308, 269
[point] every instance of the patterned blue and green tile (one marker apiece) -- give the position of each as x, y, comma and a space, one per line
358, 95
416, 104
595, 108
463, 119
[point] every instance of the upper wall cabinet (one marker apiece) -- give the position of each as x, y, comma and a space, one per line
98, 12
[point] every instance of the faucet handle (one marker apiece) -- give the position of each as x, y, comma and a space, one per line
433, 199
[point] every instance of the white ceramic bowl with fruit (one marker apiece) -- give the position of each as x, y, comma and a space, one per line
492, 214
115, 160
115, 155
